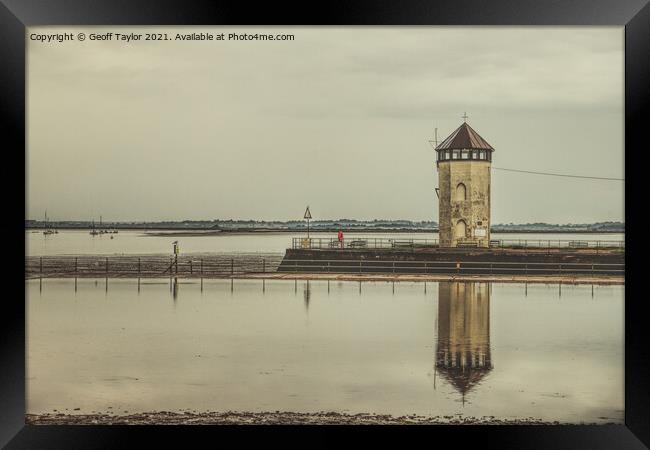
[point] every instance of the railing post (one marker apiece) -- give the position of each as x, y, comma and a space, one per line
263, 265
139, 266
191, 272
328, 267
526, 269
359, 265
393, 266
107, 266
76, 266
232, 266
201, 266
41, 265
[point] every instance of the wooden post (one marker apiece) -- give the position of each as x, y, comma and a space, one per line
139, 267
232, 266
41, 265
107, 267
201, 266
191, 266
76, 267
263, 265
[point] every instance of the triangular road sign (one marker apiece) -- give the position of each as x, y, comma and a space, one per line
307, 213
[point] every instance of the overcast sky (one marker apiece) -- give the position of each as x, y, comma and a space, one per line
338, 119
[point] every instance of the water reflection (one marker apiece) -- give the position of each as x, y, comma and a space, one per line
266, 351
463, 348
173, 286
307, 295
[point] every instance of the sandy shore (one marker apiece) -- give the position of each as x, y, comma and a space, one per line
270, 418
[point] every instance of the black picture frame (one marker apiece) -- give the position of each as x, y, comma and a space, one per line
15, 15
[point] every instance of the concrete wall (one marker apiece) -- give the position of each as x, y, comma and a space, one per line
473, 211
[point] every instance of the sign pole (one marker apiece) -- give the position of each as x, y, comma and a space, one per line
307, 216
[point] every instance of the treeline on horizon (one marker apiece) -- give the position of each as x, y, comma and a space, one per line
237, 224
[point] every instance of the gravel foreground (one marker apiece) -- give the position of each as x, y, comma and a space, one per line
269, 418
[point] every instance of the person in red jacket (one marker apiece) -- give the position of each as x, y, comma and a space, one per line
341, 238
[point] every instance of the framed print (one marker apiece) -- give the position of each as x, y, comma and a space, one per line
422, 217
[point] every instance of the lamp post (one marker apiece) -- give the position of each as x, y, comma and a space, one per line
176, 251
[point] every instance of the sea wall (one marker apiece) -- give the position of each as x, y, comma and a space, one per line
456, 260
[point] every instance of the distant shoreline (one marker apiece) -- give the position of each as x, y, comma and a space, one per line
204, 232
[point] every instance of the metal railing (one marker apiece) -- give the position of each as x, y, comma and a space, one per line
356, 243
364, 266
149, 266
360, 243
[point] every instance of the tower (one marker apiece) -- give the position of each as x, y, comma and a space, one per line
463, 163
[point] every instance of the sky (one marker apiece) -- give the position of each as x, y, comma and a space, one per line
339, 118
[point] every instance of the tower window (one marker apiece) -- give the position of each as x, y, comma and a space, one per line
461, 192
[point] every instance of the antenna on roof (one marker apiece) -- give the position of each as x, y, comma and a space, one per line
434, 142
464, 117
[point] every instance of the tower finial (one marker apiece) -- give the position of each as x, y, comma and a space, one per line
464, 116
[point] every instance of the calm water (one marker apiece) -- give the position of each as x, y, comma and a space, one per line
138, 242
476, 349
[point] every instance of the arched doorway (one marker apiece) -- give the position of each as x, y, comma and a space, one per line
461, 229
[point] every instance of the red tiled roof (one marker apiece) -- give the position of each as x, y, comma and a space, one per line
464, 137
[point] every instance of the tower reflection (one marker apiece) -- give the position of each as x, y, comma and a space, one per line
463, 349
